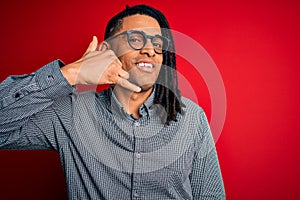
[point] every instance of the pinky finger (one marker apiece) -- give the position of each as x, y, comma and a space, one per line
128, 85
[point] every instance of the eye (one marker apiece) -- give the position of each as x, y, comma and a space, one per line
157, 42
136, 39
157, 45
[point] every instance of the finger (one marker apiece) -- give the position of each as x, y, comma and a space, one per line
130, 86
119, 61
92, 45
123, 74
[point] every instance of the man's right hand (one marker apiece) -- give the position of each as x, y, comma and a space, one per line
98, 67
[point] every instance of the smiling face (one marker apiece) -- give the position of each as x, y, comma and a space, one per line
143, 65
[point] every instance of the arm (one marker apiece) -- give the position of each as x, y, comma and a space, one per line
206, 178
23, 98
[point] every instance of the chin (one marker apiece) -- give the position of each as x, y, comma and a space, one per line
146, 83
147, 87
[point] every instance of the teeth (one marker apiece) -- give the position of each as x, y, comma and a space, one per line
148, 65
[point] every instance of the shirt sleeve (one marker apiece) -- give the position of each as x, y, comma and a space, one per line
23, 97
206, 178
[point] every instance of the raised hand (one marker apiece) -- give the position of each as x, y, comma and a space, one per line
98, 66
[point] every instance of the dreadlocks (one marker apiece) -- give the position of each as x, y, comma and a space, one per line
167, 93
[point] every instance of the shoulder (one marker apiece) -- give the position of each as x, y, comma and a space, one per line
90, 101
64, 106
90, 95
78, 96
191, 107
196, 115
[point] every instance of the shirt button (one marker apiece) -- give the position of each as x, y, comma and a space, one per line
50, 78
135, 194
138, 155
136, 124
17, 95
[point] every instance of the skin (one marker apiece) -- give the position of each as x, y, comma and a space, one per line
129, 59
100, 65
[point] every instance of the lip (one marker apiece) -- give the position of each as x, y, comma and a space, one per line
145, 66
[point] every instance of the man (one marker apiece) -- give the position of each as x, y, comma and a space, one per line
137, 140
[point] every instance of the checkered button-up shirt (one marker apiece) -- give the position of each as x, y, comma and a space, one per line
104, 151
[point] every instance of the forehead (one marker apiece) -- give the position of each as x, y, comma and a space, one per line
141, 22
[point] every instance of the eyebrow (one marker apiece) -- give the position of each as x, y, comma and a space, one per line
114, 36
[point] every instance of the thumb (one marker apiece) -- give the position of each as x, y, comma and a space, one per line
92, 45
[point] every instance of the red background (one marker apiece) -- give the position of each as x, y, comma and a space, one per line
255, 46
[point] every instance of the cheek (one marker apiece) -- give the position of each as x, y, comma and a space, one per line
126, 61
159, 59
122, 51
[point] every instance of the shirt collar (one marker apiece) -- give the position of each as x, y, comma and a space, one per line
117, 107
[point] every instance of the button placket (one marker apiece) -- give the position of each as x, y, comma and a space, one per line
137, 161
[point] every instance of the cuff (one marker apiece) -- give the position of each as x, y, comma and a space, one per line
51, 80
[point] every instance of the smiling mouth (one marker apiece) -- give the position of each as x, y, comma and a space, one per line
147, 67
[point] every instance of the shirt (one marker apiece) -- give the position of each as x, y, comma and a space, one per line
106, 153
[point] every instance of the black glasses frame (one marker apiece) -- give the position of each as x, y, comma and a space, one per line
146, 37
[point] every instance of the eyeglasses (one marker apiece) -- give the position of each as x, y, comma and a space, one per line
137, 40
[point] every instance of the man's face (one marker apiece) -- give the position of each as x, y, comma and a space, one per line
143, 65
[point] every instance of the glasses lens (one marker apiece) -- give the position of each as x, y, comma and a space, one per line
136, 40
160, 44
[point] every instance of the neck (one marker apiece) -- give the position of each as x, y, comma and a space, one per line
132, 101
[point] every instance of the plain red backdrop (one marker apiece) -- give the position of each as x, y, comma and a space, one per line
255, 46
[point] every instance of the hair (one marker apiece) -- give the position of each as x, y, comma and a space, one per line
167, 93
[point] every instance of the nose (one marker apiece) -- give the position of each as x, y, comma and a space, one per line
148, 49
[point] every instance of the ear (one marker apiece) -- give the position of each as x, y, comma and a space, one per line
103, 46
